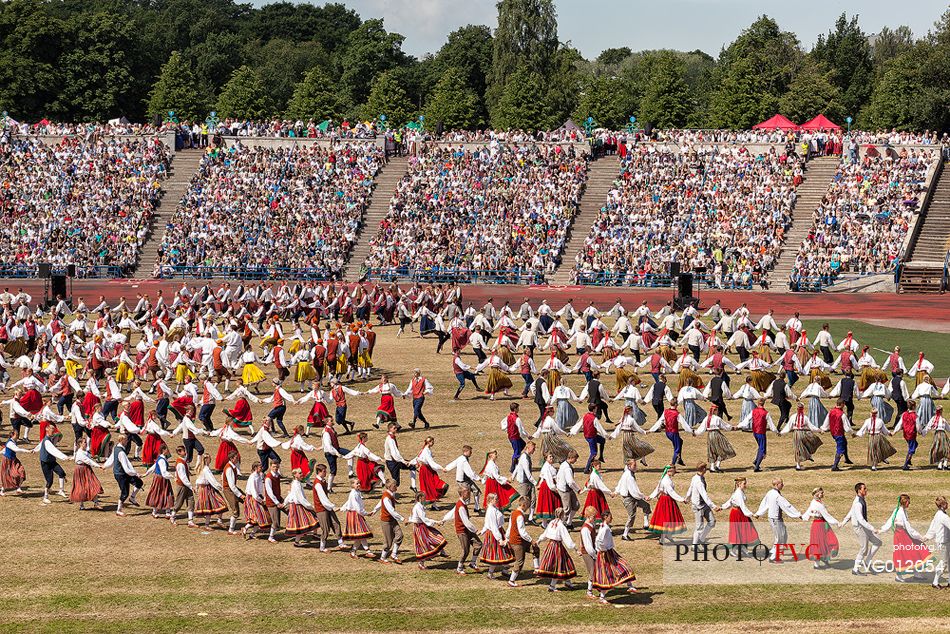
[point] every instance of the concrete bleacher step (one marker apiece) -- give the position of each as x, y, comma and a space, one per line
183, 167
601, 176
923, 272
387, 180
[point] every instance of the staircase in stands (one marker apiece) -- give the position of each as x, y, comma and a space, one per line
601, 175
183, 168
386, 181
923, 272
819, 172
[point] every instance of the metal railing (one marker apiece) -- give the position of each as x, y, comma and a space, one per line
450, 275
660, 280
91, 271
249, 273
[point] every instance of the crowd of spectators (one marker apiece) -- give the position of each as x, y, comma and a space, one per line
498, 206
862, 221
717, 210
84, 202
272, 208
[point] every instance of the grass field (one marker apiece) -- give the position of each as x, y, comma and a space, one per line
67, 570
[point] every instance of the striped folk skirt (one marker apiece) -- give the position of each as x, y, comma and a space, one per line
552, 443
879, 449
635, 448
718, 447
300, 520
611, 570
160, 496
547, 502
555, 562
356, 527
805, 443
86, 486
667, 519
208, 501
255, 513
427, 541
940, 450
493, 553
12, 473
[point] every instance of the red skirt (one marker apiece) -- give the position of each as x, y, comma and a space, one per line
387, 408
555, 562
909, 554
255, 513
431, 484
241, 413
12, 473
824, 542
160, 496
300, 520
596, 499
459, 338
99, 441
367, 474
611, 570
90, 403
221, 457
505, 492
86, 486
299, 460
181, 403
318, 413
151, 448
427, 541
356, 527
208, 501
667, 518
32, 401
547, 502
493, 553
742, 531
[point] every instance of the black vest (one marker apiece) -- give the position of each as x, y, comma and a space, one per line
715, 389
847, 389
593, 392
896, 392
659, 393
538, 391
778, 392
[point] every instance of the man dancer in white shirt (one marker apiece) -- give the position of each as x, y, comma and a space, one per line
939, 533
703, 506
868, 540
567, 488
777, 507
632, 498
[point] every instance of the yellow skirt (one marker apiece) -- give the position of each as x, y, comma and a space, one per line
498, 381
342, 365
252, 374
505, 355
921, 375
870, 376
305, 372
123, 373
761, 380
72, 367
624, 375
554, 379
688, 377
667, 353
294, 347
364, 360
823, 379
174, 334
182, 372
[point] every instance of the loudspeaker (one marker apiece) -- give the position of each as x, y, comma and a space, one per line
43, 270
684, 285
58, 286
674, 269
70, 270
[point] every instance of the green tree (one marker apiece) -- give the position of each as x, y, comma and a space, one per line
177, 89
215, 59
245, 96
753, 73
453, 103
316, 98
607, 100
846, 52
526, 38
281, 63
812, 93
329, 25
667, 101
370, 51
614, 56
388, 97
30, 45
468, 49
890, 43
521, 105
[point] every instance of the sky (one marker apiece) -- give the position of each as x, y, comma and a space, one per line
593, 25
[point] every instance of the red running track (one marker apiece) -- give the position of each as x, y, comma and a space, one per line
882, 308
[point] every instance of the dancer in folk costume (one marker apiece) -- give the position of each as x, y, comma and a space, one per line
879, 449
256, 515
924, 394
428, 469
498, 379
388, 392
634, 448
325, 509
610, 570
718, 447
693, 414
233, 496
548, 498
426, 539
804, 441
369, 466
496, 483
749, 396
301, 516
209, 500
940, 449
240, 415
251, 374
762, 378
667, 519
597, 492
298, 459
818, 371
154, 440
550, 434
910, 552
625, 371
228, 436
86, 486
555, 562
921, 370
495, 551
939, 532
742, 532
671, 421
160, 496
356, 530
824, 542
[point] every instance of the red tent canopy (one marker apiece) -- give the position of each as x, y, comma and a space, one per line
821, 122
778, 122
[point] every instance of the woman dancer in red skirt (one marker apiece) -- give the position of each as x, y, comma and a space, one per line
597, 491
667, 520
823, 541
209, 500
318, 413
369, 466
86, 486
388, 392
228, 436
428, 541
610, 570
240, 415
429, 481
12, 473
151, 447
298, 459
910, 551
742, 532
548, 499
495, 551
160, 496
556, 563
496, 483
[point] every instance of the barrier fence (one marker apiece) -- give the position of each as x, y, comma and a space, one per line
316, 274
448, 276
